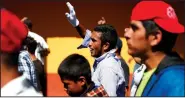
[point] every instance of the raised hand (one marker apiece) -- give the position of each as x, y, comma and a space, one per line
71, 17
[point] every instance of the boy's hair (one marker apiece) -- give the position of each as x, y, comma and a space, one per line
168, 38
108, 34
73, 67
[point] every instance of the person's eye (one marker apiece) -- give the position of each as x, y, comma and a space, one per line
93, 40
134, 27
66, 85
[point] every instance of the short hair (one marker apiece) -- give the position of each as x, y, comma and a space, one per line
28, 23
73, 67
108, 34
31, 44
119, 45
168, 38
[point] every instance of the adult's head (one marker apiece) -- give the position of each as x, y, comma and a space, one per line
30, 44
28, 23
103, 39
119, 46
154, 27
75, 74
13, 32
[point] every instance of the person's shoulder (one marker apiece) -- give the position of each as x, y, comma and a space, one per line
23, 53
174, 73
28, 89
34, 35
97, 92
111, 62
30, 92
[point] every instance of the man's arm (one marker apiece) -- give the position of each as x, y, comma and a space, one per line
74, 21
81, 30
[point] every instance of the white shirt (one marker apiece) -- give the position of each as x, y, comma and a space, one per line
19, 86
109, 73
137, 77
41, 45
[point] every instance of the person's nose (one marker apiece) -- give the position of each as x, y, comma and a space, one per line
127, 33
90, 43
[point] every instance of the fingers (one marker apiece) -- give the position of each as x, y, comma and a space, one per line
23, 19
103, 18
102, 21
67, 14
71, 8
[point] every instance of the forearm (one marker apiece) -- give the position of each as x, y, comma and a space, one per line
81, 30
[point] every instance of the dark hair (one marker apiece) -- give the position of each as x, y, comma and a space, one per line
168, 38
28, 23
119, 45
73, 67
9, 59
31, 44
108, 34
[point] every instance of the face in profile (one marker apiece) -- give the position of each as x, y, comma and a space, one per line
74, 89
136, 39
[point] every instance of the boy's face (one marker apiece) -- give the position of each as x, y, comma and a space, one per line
73, 88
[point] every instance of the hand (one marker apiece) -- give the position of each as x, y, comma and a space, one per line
71, 17
23, 19
102, 21
44, 52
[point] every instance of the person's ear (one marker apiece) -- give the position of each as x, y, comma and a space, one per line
156, 38
82, 80
106, 46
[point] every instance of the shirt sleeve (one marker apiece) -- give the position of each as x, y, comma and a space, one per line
39, 40
86, 40
43, 43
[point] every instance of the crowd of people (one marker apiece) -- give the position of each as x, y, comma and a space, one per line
159, 71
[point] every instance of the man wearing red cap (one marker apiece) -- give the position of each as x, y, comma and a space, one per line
151, 36
13, 32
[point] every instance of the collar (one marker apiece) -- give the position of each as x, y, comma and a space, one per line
18, 84
107, 54
92, 86
171, 58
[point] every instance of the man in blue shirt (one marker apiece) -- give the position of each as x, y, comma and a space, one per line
153, 30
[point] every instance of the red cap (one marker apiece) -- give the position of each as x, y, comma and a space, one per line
162, 14
13, 32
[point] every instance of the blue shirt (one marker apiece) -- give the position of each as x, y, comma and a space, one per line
168, 79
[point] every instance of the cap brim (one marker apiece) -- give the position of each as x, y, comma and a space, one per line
170, 26
81, 46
